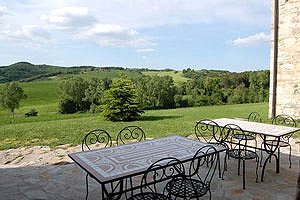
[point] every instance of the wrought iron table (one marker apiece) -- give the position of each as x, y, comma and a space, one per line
263, 130
115, 167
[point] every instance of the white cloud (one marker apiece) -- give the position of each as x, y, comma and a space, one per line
115, 35
260, 38
146, 13
3, 11
153, 13
32, 35
69, 17
145, 50
109, 30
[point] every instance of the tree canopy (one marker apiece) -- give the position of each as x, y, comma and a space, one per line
118, 102
11, 96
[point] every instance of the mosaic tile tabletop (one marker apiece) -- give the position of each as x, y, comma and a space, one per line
257, 127
108, 164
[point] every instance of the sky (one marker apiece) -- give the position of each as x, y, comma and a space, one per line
158, 34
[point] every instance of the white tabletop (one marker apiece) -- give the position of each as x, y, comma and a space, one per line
107, 164
257, 127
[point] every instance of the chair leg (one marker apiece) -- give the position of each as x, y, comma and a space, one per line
87, 186
278, 154
244, 181
290, 155
219, 164
209, 194
261, 155
257, 169
239, 166
225, 166
255, 145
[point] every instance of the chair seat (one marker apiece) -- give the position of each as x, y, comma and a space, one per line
242, 154
244, 137
186, 187
149, 196
274, 143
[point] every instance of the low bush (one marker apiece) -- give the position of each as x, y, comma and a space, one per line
31, 113
67, 106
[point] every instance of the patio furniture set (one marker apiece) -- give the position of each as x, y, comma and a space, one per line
176, 167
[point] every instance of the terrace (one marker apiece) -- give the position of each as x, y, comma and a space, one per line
42, 173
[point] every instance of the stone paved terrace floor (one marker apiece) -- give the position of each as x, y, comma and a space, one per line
42, 173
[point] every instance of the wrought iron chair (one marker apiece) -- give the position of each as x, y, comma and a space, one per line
196, 181
254, 117
284, 120
90, 141
239, 149
129, 134
159, 172
208, 131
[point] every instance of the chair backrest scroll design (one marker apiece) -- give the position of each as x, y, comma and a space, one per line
94, 137
130, 133
208, 131
204, 164
254, 117
285, 120
161, 170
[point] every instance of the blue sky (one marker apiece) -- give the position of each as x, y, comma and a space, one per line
221, 34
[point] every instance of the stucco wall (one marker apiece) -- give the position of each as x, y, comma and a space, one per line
288, 71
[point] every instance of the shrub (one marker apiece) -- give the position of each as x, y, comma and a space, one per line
67, 106
118, 103
31, 113
95, 108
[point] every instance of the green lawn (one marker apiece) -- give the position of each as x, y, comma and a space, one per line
55, 129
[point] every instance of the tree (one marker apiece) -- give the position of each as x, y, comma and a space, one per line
156, 92
74, 89
118, 101
12, 96
94, 91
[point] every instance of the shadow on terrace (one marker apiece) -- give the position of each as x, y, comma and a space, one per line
65, 180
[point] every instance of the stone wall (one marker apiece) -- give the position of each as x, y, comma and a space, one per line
288, 70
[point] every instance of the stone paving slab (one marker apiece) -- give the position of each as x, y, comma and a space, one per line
66, 180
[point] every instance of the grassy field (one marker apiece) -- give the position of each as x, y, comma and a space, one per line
43, 95
108, 74
53, 129
176, 75
56, 129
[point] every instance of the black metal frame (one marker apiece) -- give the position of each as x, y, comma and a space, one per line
270, 149
124, 185
196, 182
98, 136
284, 141
239, 149
204, 128
254, 117
130, 133
210, 132
160, 171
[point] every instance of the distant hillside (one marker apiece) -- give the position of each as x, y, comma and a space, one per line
177, 76
25, 72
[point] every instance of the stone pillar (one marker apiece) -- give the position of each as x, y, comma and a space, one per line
288, 68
